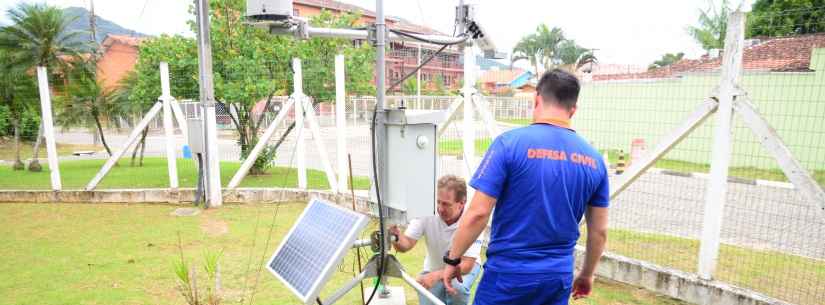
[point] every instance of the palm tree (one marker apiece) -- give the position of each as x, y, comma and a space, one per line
713, 24
39, 36
572, 57
527, 49
15, 88
550, 49
87, 102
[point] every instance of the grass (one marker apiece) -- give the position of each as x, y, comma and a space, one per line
76, 174
26, 148
125, 254
776, 274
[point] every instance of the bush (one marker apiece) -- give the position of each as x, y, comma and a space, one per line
29, 125
5, 122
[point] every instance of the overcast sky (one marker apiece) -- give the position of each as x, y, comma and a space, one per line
624, 32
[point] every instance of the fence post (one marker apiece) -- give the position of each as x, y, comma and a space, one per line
48, 127
168, 127
721, 151
299, 122
341, 122
468, 132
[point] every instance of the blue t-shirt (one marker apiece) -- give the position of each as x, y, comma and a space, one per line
543, 177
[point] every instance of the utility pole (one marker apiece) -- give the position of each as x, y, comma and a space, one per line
92, 21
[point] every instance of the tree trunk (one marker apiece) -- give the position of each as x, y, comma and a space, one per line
34, 165
18, 164
100, 132
143, 146
137, 147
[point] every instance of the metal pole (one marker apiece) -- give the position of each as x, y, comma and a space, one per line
168, 127
48, 127
380, 107
341, 122
721, 152
210, 130
300, 152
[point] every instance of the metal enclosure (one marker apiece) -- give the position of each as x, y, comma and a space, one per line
410, 190
273, 10
194, 128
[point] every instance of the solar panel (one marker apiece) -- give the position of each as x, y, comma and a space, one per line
314, 247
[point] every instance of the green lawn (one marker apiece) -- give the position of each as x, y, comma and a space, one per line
76, 174
123, 254
773, 273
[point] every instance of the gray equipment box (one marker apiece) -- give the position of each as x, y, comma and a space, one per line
411, 164
271, 10
194, 128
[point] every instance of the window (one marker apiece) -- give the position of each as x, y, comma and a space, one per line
296, 12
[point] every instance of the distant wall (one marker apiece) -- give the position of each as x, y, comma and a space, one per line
612, 114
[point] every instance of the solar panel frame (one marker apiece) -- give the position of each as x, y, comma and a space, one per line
330, 265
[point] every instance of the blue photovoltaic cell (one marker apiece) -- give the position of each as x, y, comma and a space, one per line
314, 242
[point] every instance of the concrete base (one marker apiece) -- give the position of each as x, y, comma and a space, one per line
674, 283
396, 297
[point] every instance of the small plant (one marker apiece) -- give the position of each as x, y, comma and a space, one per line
188, 279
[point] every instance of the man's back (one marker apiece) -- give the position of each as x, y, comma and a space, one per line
544, 176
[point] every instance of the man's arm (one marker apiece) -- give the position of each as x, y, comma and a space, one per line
427, 280
596, 218
472, 223
470, 226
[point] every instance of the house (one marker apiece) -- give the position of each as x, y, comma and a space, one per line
785, 54
118, 58
402, 57
507, 82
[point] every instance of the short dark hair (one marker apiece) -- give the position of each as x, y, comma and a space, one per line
559, 86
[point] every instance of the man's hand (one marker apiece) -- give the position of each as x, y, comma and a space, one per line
394, 230
582, 286
448, 273
427, 280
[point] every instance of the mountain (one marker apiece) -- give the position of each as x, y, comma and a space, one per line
104, 27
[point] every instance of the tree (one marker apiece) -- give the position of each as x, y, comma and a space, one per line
410, 86
667, 60
39, 36
86, 102
527, 49
252, 66
787, 17
713, 24
571, 56
17, 90
550, 49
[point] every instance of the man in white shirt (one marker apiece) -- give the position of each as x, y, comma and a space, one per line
438, 231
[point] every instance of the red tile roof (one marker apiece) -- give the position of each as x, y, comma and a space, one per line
122, 39
787, 54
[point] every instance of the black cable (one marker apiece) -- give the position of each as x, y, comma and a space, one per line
424, 63
199, 190
380, 206
422, 39
318, 299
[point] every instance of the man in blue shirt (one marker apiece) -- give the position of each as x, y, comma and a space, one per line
541, 179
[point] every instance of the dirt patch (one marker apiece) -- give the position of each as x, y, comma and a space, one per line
213, 226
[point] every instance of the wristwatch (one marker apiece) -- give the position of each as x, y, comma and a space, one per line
451, 261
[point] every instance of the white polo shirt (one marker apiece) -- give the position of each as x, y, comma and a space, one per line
439, 238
